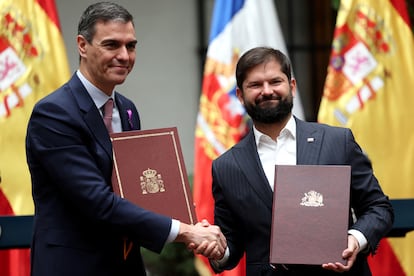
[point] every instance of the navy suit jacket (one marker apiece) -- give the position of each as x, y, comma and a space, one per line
79, 223
243, 197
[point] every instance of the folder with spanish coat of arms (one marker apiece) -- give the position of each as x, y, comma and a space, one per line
310, 214
149, 171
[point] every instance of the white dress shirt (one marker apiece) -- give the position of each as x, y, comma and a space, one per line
100, 98
279, 152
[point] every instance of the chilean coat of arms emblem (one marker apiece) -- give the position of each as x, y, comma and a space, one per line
312, 199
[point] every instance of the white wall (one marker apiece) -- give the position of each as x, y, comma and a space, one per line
165, 81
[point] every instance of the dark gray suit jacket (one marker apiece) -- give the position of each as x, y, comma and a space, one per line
79, 223
243, 197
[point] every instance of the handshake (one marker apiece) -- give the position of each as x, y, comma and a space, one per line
203, 238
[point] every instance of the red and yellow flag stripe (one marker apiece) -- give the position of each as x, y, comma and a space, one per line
368, 88
33, 63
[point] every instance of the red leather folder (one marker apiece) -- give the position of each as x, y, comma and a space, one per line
310, 214
149, 171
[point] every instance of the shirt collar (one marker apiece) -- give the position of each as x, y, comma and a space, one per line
290, 129
97, 95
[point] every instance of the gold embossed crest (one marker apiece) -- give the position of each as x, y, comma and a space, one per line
312, 199
151, 182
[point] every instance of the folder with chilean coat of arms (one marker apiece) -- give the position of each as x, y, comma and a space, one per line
310, 214
149, 171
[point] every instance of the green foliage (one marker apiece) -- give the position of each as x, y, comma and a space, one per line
174, 260
335, 4
410, 8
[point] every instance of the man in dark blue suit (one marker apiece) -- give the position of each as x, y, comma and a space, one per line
243, 177
81, 228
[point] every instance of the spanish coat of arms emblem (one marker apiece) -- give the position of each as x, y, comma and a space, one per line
151, 182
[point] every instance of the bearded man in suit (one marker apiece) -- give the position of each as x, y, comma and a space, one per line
243, 176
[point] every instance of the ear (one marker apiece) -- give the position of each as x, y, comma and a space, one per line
293, 87
239, 95
82, 45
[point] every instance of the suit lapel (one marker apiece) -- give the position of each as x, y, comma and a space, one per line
245, 154
309, 142
91, 115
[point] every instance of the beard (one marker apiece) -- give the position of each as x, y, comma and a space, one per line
269, 114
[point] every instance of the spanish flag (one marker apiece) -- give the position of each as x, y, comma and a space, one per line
236, 26
33, 62
369, 88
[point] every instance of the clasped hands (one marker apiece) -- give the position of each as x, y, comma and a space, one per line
203, 238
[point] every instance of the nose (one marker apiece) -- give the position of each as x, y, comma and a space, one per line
267, 89
123, 53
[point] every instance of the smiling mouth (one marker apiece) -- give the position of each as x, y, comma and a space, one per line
119, 69
269, 101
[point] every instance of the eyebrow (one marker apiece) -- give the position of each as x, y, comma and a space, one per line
110, 40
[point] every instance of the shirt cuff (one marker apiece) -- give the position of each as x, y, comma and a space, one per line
360, 238
175, 228
219, 263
